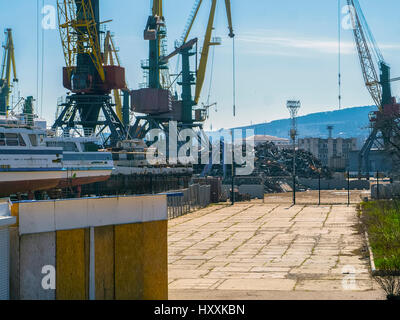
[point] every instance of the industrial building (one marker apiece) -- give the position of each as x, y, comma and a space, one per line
332, 152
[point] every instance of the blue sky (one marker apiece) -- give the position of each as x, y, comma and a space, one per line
285, 49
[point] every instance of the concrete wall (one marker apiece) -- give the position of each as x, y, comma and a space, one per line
255, 191
99, 248
36, 251
5, 221
386, 191
335, 184
378, 161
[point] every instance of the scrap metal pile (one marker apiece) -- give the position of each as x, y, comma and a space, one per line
274, 166
273, 162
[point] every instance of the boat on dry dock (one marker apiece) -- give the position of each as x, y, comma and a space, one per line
82, 160
32, 159
26, 164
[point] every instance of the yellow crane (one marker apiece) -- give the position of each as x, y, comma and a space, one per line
79, 33
208, 41
8, 65
111, 53
89, 109
155, 32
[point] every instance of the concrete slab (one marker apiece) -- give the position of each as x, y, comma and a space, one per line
258, 284
191, 294
255, 249
36, 251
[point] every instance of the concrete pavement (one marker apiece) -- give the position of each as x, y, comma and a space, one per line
269, 251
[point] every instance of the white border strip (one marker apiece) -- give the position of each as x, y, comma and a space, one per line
49, 216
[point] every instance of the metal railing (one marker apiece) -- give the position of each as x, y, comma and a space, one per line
188, 200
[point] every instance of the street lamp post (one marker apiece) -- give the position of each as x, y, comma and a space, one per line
233, 169
293, 107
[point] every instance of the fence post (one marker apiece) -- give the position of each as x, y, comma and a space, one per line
348, 188
170, 215
176, 206
377, 185
319, 189
173, 206
233, 183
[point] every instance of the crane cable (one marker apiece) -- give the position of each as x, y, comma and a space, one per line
209, 88
39, 58
42, 71
339, 56
37, 47
234, 76
211, 76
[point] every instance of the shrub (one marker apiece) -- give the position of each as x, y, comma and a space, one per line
382, 221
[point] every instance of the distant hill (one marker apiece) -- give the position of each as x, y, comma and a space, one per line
349, 122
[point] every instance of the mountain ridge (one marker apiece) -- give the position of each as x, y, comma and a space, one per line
350, 122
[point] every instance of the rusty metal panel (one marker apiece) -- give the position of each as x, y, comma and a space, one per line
151, 101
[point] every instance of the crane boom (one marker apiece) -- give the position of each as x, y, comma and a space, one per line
178, 50
157, 8
191, 20
7, 66
201, 72
79, 33
109, 52
208, 42
370, 74
229, 15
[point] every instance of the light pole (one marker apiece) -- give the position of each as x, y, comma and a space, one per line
233, 169
293, 107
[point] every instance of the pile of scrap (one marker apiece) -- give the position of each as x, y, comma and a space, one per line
275, 162
274, 166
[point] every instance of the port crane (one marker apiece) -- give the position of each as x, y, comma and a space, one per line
383, 121
111, 58
208, 40
88, 109
182, 110
8, 65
